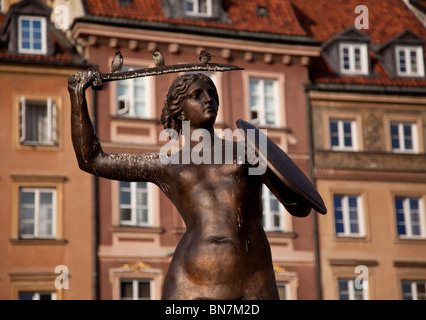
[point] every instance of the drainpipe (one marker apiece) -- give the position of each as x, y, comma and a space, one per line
95, 210
315, 214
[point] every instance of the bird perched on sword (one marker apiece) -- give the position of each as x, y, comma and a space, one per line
204, 57
117, 62
158, 59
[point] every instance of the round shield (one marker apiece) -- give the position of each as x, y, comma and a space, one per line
282, 176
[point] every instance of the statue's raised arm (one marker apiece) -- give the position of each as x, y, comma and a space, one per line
88, 149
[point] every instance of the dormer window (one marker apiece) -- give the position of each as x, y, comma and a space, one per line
32, 35
353, 58
409, 61
348, 52
202, 8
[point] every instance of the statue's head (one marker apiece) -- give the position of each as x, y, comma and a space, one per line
171, 116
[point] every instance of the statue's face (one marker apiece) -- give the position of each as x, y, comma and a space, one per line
200, 106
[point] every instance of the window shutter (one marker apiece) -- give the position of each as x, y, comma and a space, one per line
22, 116
54, 121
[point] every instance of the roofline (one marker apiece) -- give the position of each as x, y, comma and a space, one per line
371, 89
205, 31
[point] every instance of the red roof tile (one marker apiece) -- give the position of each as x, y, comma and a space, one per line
280, 19
322, 19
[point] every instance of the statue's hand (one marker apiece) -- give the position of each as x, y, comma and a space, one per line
85, 79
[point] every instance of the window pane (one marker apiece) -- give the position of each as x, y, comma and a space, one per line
406, 291
421, 291
144, 290
402, 66
408, 139
394, 136
281, 286
346, 59
125, 214
413, 61
126, 290
343, 289
338, 214
347, 131
400, 219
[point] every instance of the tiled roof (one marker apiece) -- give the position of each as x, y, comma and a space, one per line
322, 19
316, 19
242, 14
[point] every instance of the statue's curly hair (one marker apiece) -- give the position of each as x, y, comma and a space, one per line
172, 109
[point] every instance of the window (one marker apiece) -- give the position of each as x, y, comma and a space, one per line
409, 217
37, 213
273, 211
135, 289
342, 134
403, 137
133, 97
36, 295
32, 35
263, 101
349, 290
409, 61
353, 58
37, 122
283, 290
414, 290
198, 7
134, 203
347, 215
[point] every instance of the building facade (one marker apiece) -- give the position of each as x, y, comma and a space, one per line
367, 111
46, 201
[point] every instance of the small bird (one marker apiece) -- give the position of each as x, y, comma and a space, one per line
204, 57
158, 59
117, 62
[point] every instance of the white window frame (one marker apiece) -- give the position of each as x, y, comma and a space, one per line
133, 206
37, 294
196, 8
135, 287
261, 95
36, 220
130, 99
401, 137
346, 217
351, 47
268, 214
408, 221
43, 31
408, 63
351, 288
413, 286
286, 286
341, 135
51, 122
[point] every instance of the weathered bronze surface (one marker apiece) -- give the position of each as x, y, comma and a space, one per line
224, 253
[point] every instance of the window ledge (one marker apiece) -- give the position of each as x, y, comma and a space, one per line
347, 238
32, 242
281, 234
135, 118
402, 240
137, 229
